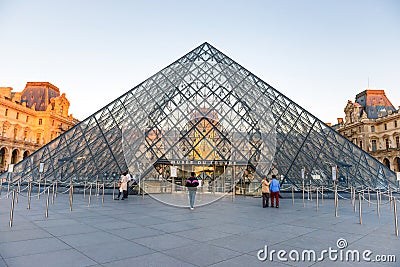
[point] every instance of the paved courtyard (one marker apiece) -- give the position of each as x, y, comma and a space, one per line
144, 232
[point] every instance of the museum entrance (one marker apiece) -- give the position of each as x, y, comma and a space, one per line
215, 177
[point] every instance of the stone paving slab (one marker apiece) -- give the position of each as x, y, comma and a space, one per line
143, 232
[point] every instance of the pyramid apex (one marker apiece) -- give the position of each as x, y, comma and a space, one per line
207, 44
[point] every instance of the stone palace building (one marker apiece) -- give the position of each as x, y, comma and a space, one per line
373, 124
30, 119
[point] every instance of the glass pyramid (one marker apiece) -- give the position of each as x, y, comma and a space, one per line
204, 113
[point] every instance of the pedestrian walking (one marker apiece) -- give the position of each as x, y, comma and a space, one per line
191, 185
265, 192
274, 187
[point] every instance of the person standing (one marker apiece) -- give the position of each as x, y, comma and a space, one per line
265, 192
128, 180
274, 187
123, 186
191, 185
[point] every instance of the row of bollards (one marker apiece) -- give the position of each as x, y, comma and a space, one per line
391, 199
15, 193
361, 195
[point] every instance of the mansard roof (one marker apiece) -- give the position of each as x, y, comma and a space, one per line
375, 103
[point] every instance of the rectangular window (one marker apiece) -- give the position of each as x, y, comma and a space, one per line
387, 143
385, 126
38, 136
373, 145
27, 118
373, 129
361, 144
6, 112
25, 135
397, 141
17, 116
395, 124
52, 123
40, 121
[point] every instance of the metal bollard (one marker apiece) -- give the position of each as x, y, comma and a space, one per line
71, 191
29, 195
360, 207
143, 189
310, 192
84, 190
316, 197
396, 224
304, 204
72, 195
336, 199
351, 196
369, 198
38, 194
56, 189
12, 208
390, 199
8, 186
322, 194
102, 199
377, 204
18, 189
1, 186
292, 195
52, 196
90, 194
47, 202
354, 200
114, 191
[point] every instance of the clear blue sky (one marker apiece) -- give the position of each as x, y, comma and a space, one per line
318, 53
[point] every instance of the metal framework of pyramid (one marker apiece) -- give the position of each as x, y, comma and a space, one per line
204, 109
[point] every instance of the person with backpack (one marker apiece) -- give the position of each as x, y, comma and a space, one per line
274, 187
191, 185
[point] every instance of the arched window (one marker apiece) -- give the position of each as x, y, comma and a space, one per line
2, 156
26, 154
396, 164
14, 157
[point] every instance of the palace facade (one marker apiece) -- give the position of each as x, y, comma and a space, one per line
30, 119
373, 124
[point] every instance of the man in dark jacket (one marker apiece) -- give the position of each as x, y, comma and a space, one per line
192, 184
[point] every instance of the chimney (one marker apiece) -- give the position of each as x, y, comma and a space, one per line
340, 120
328, 124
